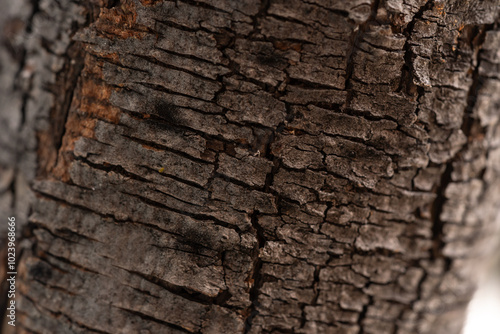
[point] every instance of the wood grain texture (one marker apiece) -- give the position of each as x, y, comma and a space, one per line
297, 166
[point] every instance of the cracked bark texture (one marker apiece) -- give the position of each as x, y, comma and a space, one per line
202, 166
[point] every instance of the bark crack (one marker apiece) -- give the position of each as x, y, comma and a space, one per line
357, 37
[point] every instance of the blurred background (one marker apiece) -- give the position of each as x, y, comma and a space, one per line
484, 310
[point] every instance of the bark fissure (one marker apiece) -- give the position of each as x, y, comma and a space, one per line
185, 292
408, 81
356, 38
164, 323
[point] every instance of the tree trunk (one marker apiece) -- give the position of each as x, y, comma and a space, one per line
284, 166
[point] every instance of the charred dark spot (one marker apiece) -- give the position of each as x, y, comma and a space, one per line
211, 147
222, 297
263, 138
215, 145
224, 39
196, 239
208, 155
111, 3
40, 271
167, 112
327, 188
230, 149
286, 45
271, 60
159, 125
67, 234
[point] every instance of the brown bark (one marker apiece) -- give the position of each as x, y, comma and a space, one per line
284, 166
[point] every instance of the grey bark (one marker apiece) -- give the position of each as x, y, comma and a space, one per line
298, 166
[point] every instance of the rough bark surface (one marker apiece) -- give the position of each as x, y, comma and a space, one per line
284, 166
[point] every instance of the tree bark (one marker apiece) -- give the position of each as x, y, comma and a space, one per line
284, 166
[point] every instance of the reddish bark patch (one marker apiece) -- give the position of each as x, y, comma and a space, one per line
439, 8
284, 46
92, 96
77, 126
150, 2
94, 101
215, 145
149, 147
120, 21
90, 102
50, 138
